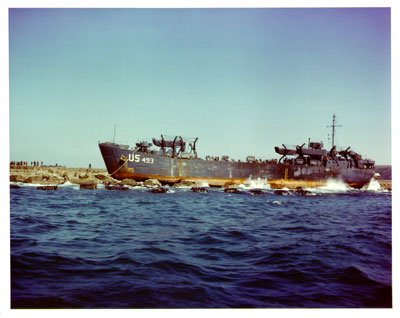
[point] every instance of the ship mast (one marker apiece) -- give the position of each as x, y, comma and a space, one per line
333, 126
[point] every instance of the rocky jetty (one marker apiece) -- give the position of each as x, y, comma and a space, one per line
151, 183
91, 178
159, 190
88, 186
257, 191
129, 182
281, 192
199, 189
116, 187
47, 187
54, 176
49, 178
386, 184
232, 190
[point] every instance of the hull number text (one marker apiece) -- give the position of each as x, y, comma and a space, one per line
137, 158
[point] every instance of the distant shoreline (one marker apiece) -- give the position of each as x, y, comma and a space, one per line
385, 171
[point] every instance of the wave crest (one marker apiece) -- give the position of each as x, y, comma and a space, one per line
258, 183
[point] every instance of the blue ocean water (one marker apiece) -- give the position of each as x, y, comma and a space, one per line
74, 248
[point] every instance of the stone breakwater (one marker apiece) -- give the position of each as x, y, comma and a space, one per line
90, 178
86, 178
58, 175
386, 184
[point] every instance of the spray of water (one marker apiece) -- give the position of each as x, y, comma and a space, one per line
196, 184
137, 187
34, 185
23, 184
258, 183
332, 186
68, 184
373, 185
202, 184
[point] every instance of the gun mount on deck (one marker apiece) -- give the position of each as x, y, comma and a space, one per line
174, 144
315, 155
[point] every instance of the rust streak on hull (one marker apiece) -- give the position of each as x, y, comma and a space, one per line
293, 184
217, 182
220, 182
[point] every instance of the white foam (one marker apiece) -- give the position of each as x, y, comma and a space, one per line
332, 186
137, 187
259, 183
23, 184
202, 184
196, 184
68, 184
373, 185
187, 187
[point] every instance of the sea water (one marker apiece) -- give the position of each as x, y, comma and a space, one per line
74, 248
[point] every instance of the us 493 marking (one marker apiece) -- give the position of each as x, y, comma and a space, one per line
138, 158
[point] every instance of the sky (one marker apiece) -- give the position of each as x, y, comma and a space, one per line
242, 80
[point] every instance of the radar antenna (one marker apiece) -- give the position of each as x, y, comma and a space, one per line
333, 126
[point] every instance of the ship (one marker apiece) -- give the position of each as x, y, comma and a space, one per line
172, 160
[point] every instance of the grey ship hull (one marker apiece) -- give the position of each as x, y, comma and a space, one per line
124, 163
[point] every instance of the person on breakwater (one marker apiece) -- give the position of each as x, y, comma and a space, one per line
18, 163
27, 163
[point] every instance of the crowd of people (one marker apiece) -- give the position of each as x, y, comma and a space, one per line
34, 164
26, 163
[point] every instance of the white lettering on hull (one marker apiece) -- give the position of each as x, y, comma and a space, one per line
137, 158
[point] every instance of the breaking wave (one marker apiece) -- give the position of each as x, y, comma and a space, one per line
332, 186
70, 185
373, 185
258, 183
23, 184
202, 184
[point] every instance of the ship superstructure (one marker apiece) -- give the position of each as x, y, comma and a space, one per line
171, 160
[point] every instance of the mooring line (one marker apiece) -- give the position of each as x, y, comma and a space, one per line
126, 161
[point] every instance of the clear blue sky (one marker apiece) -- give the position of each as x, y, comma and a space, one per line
242, 80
